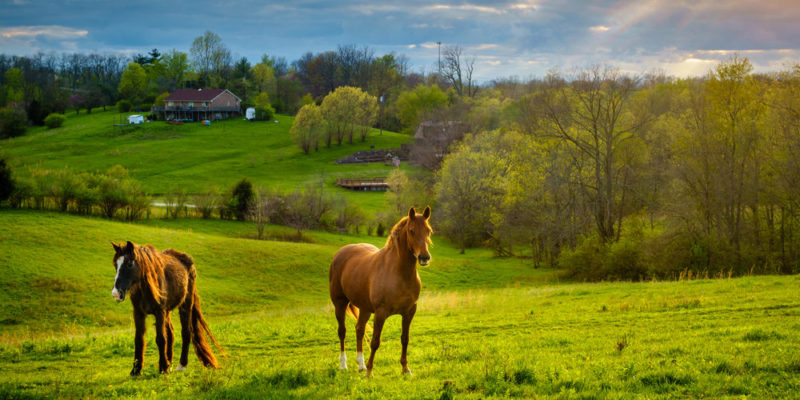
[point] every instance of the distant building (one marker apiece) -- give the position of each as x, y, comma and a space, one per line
432, 142
135, 119
199, 105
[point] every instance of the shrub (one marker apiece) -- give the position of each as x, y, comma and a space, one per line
242, 199
54, 120
265, 112
6, 181
13, 121
124, 106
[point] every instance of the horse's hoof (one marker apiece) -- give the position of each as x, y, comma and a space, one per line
136, 373
368, 374
407, 372
362, 369
180, 367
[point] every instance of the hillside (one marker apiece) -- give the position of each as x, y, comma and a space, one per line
57, 270
62, 336
193, 157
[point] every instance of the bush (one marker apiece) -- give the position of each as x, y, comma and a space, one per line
124, 106
54, 120
13, 121
6, 181
242, 199
265, 112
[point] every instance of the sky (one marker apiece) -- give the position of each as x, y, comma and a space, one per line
518, 38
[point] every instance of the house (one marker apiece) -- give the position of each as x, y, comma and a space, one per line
199, 105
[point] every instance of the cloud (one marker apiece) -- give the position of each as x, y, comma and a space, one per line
599, 28
50, 31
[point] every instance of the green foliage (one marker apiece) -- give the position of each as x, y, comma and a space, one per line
414, 105
264, 110
13, 121
6, 181
307, 127
124, 106
133, 83
242, 199
160, 100
54, 120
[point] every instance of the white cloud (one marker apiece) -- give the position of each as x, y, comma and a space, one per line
52, 31
599, 28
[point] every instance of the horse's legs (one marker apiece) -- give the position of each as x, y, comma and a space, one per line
161, 341
361, 326
407, 317
170, 337
186, 326
138, 340
377, 327
341, 309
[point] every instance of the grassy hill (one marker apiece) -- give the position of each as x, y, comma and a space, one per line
193, 157
57, 270
486, 328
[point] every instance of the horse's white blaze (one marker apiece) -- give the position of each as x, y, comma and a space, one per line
343, 361
114, 291
180, 367
360, 361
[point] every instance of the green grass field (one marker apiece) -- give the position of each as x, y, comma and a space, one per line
193, 157
486, 327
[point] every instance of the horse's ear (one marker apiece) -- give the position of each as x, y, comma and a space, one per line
129, 247
427, 213
117, 248
412, 213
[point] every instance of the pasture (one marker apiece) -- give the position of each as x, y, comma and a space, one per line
485, 327
193, 158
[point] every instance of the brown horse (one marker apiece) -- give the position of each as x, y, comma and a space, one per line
365, 280
158, 282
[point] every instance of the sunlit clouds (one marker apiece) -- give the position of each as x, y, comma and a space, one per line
523, 38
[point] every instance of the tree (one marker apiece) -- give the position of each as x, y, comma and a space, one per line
133, 83
176, 65
458, 72
468, 188
264, 110
13, 121
340, 111
414, 105
261, 210
242, 199
307, 127
211, 58
592, 116
263, 78
6, 181
366, 114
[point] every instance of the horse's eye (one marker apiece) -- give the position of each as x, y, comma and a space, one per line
412, 232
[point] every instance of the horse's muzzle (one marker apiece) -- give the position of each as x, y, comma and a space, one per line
423, 260
118, 295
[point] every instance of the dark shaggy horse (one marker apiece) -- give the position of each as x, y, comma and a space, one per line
364, 280
158, 282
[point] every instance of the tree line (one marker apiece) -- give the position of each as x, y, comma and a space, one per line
619, 176
33, 87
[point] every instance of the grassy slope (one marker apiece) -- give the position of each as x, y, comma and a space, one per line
267, 303
192, 157
62, 264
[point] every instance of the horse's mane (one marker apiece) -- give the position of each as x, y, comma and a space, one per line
152, 266
399, 227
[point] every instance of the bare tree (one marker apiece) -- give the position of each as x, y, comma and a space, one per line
457, 70
261, 210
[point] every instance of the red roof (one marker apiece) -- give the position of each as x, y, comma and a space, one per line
194, 94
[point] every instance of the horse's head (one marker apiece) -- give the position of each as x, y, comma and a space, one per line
128, 270
418, 235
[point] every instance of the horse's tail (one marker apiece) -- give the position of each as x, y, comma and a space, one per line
199, 332
355, 312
